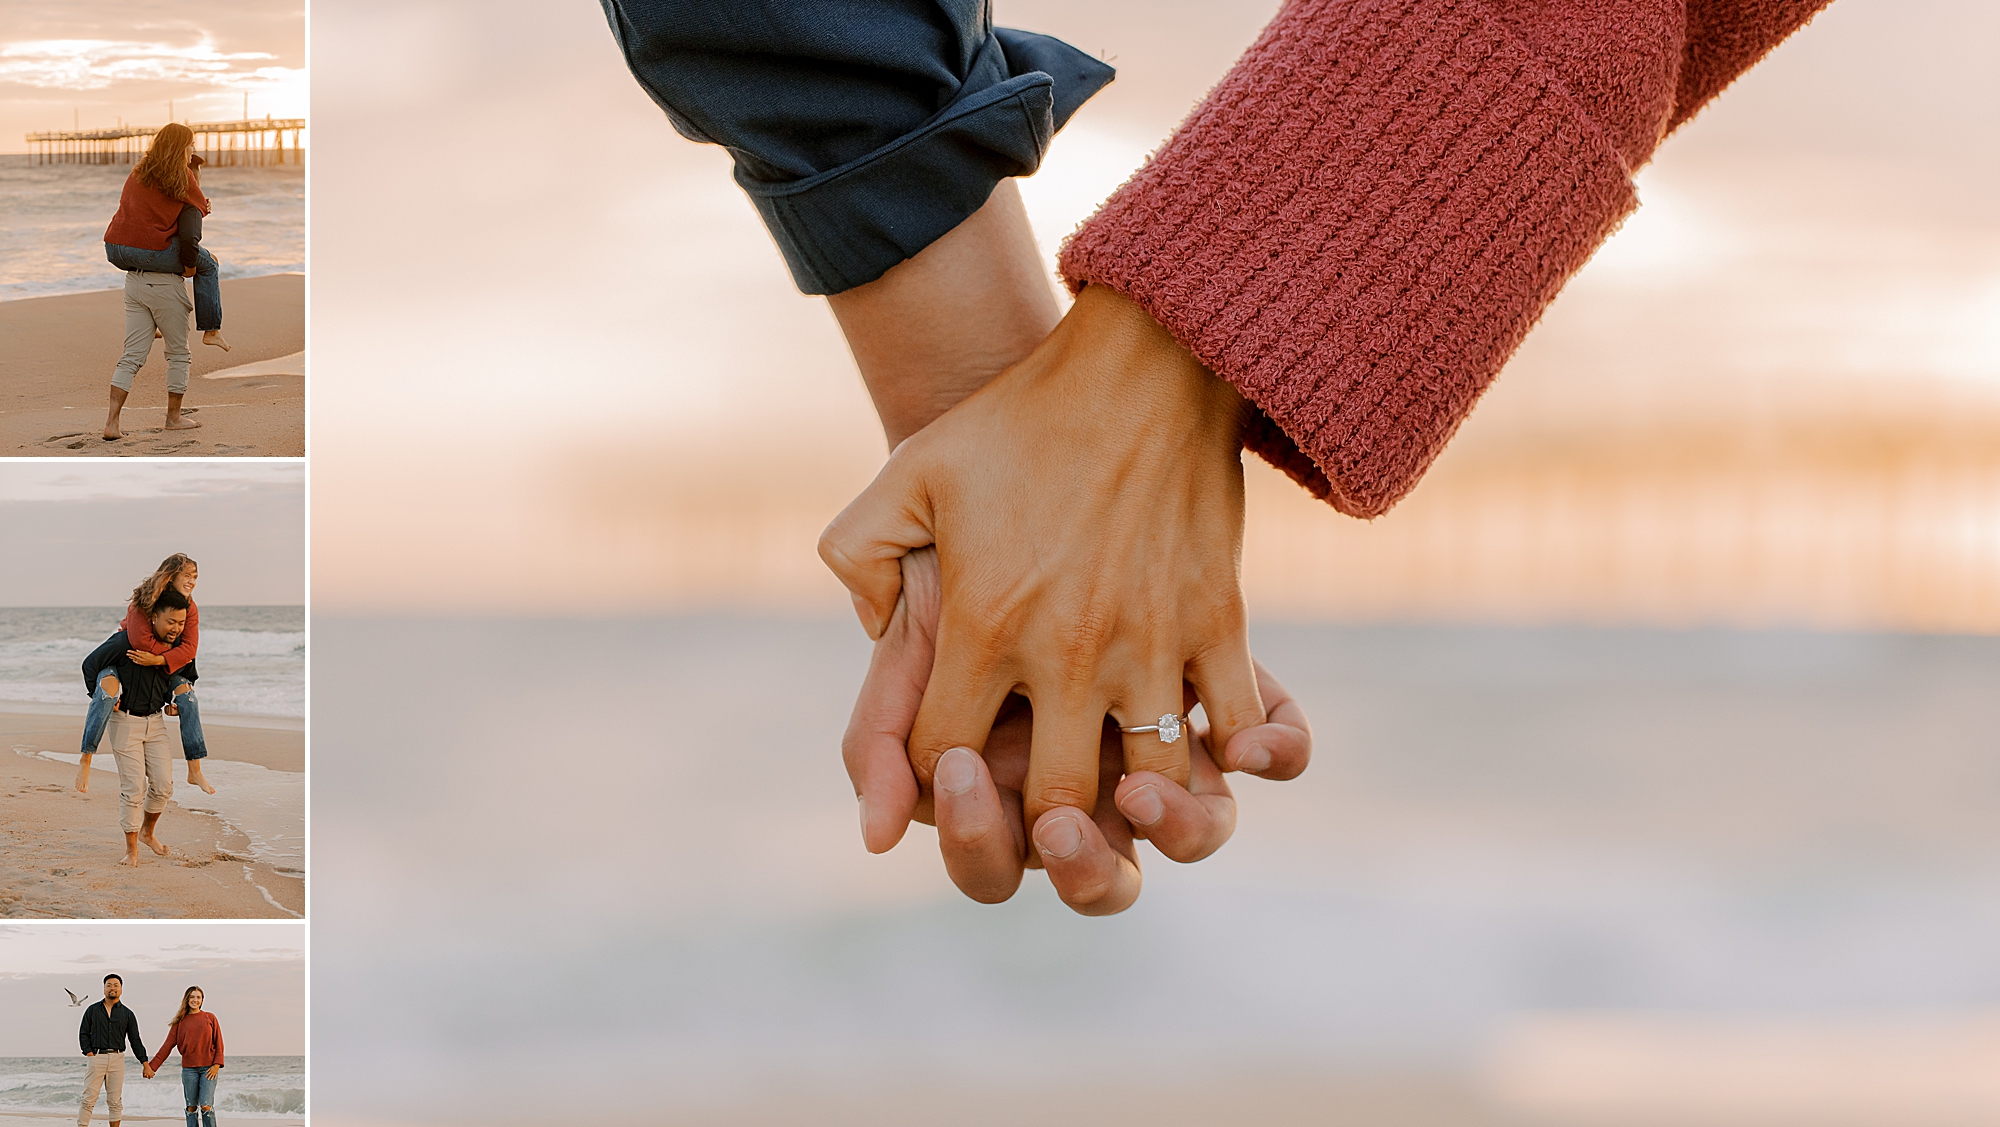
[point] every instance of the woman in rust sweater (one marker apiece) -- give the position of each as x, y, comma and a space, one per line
1327, 263
196, 1033
149, 233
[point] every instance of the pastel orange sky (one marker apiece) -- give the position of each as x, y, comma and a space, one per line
659, 420
94, 64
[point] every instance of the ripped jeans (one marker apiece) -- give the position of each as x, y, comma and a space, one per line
95, 721
199, 1089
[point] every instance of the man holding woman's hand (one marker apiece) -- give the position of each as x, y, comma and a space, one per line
1327, 263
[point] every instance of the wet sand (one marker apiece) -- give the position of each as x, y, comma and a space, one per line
59, 849
61, 350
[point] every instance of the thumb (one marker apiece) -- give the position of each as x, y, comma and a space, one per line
865, 544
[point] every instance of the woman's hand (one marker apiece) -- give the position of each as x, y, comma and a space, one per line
1087, 508
976, 804
141, 657
214, 1070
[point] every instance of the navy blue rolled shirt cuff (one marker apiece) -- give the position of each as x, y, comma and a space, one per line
862, 130
848, 225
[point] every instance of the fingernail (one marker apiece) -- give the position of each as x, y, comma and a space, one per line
1256, 757
866, 612
955, 771
1144, 805
1059, 838
861, 800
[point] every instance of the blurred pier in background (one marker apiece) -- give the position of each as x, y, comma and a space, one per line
250, 142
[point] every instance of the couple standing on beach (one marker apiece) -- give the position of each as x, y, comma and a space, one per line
107, 1027
155, 237
141, 674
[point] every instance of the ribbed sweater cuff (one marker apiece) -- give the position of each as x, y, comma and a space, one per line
1358, 226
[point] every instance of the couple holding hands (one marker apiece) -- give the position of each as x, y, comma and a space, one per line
1327, 263
108, 1026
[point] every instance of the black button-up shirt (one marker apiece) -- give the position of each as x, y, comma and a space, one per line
142, 689
107, 1032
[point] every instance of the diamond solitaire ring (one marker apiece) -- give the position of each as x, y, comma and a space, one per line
1169, 727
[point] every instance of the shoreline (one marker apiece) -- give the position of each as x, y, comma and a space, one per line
62, 349
109, 287
59, 848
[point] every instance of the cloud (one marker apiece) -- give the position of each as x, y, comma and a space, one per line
94, 64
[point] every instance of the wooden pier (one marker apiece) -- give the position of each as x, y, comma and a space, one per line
249, 143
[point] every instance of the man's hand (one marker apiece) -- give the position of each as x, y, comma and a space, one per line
141, 657
148, 1070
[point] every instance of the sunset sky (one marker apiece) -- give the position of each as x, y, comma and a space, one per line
95, 64
661, 420
84, 533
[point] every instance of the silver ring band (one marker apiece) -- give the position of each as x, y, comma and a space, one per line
1169, 727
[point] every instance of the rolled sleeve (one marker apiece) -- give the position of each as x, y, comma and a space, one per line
861, 130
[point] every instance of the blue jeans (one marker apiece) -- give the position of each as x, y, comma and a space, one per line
99, 716
193, 745
199, 1090
207, 277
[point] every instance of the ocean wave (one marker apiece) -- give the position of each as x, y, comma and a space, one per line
251, 643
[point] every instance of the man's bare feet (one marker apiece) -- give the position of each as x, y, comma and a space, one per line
182, 423
83, 776
111, 430
214, 337
153, 843
131, 859
196, 778
113, 434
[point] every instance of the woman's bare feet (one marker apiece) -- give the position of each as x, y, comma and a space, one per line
214, 337
83, 776
196, 778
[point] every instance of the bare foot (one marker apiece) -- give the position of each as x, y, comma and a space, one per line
113, 434
131, 860
196, 778
83, 776
182, 423
214, 337
153, 843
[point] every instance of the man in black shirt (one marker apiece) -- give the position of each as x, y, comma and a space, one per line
138, 730
107, 1026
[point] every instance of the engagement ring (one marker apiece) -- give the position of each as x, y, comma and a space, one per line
1169, 727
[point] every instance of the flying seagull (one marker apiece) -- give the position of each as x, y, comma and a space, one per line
73, 999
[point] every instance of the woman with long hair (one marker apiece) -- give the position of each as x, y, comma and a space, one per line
199, 1037
155, 238
179, 572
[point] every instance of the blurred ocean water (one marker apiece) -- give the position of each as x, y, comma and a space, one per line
52, 220
251, 659
650, 818
249, 1087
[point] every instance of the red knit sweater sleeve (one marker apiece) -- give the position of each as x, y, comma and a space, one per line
1359, 225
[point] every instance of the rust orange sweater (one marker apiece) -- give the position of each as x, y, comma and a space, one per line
1359, 225
148, 218
199, 1038
139, 631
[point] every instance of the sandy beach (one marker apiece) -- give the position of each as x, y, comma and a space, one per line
59, 849
61, 351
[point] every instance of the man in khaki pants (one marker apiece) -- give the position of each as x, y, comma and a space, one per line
107, 1026
138, 731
